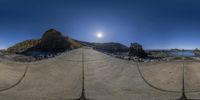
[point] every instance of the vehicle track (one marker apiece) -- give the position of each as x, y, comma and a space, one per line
143, 78
18, 82
183, 97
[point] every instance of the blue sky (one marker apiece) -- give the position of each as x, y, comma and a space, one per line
153, 23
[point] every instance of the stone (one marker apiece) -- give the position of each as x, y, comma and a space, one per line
136, 50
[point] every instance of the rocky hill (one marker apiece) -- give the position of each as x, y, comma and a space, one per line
106, 47
74, 44
111, 47
23, 46
51, 41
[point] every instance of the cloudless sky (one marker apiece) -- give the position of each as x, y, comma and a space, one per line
153, 23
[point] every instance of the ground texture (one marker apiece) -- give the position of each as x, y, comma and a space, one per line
105, 78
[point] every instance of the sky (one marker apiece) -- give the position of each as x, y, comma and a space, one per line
156, 24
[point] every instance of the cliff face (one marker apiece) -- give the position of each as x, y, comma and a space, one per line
51, 41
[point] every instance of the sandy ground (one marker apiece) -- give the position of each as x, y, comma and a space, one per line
106, 78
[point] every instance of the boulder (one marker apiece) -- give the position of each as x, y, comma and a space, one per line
136, 50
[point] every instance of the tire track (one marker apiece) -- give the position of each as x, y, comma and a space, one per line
184, 83
160, 89
18, 82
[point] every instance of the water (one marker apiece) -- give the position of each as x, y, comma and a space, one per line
187, 53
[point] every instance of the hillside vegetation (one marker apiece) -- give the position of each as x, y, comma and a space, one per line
23, 46
51, 41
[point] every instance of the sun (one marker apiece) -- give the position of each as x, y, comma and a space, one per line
99, 35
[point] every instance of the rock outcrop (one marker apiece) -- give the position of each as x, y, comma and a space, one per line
197, 52
53, 41
136, 50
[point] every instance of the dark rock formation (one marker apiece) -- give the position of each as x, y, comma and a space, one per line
50, 45
53, 41
137, 50
197, 52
